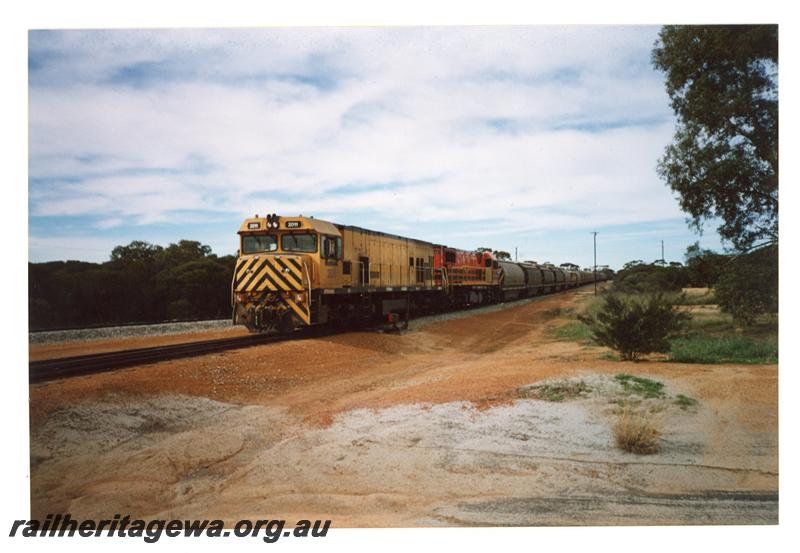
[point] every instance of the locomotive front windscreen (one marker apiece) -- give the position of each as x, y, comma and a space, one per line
254, 243
299, 243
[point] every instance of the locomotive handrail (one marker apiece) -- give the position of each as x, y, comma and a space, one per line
460, 275
445, 278
233, 283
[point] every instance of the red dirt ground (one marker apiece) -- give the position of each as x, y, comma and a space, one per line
479, 359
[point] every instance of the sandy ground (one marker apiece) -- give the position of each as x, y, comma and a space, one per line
422, 428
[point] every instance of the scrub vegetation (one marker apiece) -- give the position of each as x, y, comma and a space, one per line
743, 285
644, 387
686, 327
557, 391
574, 331
725, 349
684, 401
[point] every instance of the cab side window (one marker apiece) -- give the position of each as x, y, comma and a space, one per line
331, 247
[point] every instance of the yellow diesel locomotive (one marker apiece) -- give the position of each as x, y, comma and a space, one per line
301, 271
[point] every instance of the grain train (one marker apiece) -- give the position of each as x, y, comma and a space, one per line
301, 271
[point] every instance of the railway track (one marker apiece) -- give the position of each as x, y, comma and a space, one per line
65, 367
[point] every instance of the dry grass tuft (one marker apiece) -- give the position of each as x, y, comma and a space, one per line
636, 432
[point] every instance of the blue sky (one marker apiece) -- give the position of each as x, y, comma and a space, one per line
526, 137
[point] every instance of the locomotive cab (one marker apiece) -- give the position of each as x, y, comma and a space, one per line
278, 267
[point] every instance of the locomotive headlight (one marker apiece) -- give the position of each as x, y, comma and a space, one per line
299, 298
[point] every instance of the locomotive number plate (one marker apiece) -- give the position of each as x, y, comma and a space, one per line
292, 224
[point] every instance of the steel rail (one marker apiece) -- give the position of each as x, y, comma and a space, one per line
66, 367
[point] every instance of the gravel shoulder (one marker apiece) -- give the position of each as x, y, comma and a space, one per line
125, 331
85, 342
422, 428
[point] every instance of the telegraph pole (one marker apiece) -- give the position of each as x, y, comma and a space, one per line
594, 233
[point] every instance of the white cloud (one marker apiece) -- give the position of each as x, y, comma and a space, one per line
531, 126
79, 248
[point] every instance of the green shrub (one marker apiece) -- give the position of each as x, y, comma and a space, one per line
636, 326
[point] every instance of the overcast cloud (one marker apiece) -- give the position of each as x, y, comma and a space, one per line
505, 137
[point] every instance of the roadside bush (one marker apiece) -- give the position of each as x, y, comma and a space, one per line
748, 286
634, 326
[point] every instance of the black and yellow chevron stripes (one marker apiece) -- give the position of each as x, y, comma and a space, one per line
302, 310
279, 278
268, 274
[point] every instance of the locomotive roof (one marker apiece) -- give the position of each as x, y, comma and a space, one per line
386, 234
290, 223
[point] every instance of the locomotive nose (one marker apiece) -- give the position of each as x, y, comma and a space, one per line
270, 290
269, 273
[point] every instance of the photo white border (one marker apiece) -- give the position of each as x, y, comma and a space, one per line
234, 13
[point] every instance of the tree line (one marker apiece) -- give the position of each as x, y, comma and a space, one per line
141, 282
745, 284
